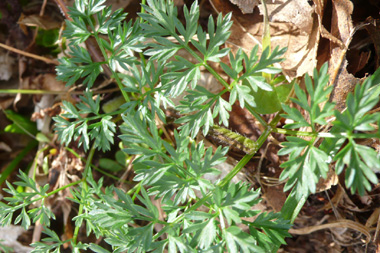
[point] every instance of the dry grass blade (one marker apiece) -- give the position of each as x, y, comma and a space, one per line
339, 224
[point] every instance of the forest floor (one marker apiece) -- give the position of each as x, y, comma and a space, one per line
341, 32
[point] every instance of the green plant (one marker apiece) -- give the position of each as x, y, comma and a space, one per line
200, 215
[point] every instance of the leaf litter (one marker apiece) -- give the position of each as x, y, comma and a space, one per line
342, 32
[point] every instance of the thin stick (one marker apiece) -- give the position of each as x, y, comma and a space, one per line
52, 92
63, 9
42, 11
338, 224
37, 57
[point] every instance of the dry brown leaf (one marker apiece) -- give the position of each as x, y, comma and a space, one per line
48, 82
326, 184
341, 25
297, 12
244, 26
341, 28
320, 6
373, 219
275, 197
299, 35
345, 84
342, 199
6, 102
246, 6
44, 22
303, 41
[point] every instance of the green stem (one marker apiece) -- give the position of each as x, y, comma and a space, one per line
120, 85
236, 169
325, 135
63, 187
118, 112
84, 189
256, 115
260, 141
294, 132
143, 61
117, 79
56, 191
221, 80
168, 158
263, 137
143, 2
204, 63
217, 76
350, 135
138, 188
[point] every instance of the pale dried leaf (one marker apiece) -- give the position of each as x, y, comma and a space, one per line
6, 102
319, 10
9, 235
6, 66
275, 197
49, 82
246, 6
5, 147
374, 218
297, 12
341, 28
341, 23
302, 44
326, 184
44, 22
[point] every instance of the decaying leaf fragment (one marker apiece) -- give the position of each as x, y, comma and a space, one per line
246, 6
6, 66
297, 12
302, 30
293, 24
341, 28
44, 22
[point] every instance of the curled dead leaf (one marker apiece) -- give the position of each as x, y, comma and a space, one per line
246, 6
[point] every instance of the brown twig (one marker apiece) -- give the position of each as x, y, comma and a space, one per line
343, 223
63, 8
42, 11
34, 56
